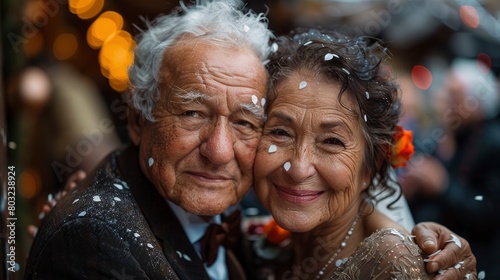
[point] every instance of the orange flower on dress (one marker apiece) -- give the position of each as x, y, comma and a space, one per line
403, 148
274, 233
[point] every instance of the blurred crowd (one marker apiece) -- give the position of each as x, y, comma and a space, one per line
62, 115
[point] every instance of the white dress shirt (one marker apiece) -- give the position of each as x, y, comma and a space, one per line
195, 228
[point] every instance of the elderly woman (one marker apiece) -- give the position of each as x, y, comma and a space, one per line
332, 118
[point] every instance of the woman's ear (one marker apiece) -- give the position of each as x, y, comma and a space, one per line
135, 125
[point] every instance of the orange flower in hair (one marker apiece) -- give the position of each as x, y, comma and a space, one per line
403, 148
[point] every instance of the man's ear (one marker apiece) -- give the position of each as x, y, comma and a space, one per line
135, 125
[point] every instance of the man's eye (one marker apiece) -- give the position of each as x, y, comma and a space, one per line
191, 114
244, 123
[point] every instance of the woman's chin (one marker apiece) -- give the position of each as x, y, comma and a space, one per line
293, 223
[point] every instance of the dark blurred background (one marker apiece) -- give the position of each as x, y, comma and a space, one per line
64, 71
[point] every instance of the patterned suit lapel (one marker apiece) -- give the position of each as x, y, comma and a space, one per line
164, 224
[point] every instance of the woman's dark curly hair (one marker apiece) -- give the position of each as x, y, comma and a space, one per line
357, 64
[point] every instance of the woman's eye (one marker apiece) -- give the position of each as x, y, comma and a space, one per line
279, 132
334, 141
245, 123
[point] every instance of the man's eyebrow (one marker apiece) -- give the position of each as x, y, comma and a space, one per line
257, 111
183, 97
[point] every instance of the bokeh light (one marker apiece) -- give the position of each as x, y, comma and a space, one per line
115, 57
421, 76
103, 27
85, 9
485, 61
29, 183
65, 46
469, 16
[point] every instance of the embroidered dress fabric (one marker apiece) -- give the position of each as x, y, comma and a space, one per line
386, 254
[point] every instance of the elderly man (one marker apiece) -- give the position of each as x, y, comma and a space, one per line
195, 117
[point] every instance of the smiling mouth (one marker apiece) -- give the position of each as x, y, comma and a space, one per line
297, 196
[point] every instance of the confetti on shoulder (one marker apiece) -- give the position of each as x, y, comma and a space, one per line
136, 234
96, 198
302, 84
83, 213
118, 186
117, 199
150, 245
75, 201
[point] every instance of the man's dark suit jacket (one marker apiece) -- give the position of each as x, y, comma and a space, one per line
115, 225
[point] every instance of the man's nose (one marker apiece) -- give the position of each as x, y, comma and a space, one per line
218, 145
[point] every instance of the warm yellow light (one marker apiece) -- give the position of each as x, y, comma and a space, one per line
85, 9
103, 27
64, 46
118, 85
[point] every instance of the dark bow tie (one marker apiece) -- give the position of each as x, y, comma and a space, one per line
226, 234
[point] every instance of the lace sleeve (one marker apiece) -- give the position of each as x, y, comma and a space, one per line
386, 254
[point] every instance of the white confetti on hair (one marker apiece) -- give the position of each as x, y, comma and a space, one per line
367, 95
255, 99
287, 165
308, 43
263, 102
330, 56
117, 199
75, 201
272, 149
96, 198
83, 213
151, 161
118, 186
302, 84
274, 47
365, 117
347, 71
246, 28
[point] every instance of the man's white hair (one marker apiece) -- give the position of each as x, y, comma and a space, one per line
220, 22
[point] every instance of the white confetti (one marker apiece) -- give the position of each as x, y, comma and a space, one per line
151, 161
274, 47
179, 253
272, 149
302, 84
338, 263
263, 102
255, 99
308, 43
186, 257
96, 198
41, 215
128, 230
150, 245
347, 71
367, 95
479, 198
50, 197
117, 199
118, 186
75, 201
287, 165
83, 213
246, 28
328, 57
136, 234
481, 275
366, 118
